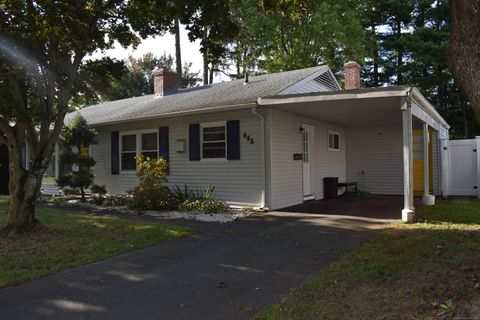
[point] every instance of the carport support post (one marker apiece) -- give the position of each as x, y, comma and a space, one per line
408, 212
427, 198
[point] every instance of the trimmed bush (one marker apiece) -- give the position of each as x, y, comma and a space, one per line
96, 189
150, 194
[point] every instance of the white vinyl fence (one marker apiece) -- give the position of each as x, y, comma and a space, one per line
463, 167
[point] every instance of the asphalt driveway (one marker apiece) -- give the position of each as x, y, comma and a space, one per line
228, 271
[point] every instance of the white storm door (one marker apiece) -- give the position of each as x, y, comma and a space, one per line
307, 159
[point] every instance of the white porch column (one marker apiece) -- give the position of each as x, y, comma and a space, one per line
427, 198
408, 212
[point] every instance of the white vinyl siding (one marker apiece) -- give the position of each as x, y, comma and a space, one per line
285, 174
436, 164
375, 160
235, 181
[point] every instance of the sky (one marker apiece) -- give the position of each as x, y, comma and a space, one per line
160, 45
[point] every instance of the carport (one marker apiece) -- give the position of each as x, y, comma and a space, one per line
394, 138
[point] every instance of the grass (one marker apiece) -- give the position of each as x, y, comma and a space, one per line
48, 180
426, 270
67, 240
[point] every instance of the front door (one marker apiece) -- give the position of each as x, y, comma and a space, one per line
307, 158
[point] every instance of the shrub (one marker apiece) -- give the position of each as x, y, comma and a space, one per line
204, 206
75, 139
180, 195
150, 194
70, 192
113, 200
96, 189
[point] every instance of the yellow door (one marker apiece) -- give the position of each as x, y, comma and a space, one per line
418, 162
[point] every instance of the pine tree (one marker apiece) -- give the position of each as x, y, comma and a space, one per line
75, 141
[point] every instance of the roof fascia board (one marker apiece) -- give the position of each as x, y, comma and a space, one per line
181, 113
426, 106
344, 95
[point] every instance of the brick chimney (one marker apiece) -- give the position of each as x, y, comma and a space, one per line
165, 82
352, 75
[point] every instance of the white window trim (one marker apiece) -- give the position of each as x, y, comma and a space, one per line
138, 146
209, 125
328, 140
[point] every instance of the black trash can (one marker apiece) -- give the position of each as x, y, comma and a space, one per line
330, 187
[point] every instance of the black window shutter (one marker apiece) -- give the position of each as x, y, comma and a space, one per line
115, 152
233, 140
194, 142
163, 147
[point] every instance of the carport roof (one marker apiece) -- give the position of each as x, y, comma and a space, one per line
354, 108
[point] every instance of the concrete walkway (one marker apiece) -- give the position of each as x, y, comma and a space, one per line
224, 272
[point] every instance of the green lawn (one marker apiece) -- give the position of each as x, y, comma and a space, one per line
67, 240
48, 180
426, 270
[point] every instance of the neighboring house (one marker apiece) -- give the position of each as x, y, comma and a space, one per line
269, 142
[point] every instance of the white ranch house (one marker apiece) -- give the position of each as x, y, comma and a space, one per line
269, 142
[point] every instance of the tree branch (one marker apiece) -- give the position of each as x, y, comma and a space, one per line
3, 138
5, 127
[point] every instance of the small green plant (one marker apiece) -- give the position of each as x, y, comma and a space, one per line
70, 192
448, 306
96, 189
182, 194
113, 200
249, 209
56, 200
150, 194
203, 206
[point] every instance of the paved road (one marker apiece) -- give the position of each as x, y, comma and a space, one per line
224, 272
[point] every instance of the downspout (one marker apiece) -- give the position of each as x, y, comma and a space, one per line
264, 158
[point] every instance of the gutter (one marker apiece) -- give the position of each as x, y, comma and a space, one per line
264, 158
235, 107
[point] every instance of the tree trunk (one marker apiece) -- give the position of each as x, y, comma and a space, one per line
205, 56
375, 56
24, 187
205, 68
465, 124
210, 80
464, 49
178, 51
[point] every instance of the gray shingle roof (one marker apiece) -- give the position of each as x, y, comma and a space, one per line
195, 99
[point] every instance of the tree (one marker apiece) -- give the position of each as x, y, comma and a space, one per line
42, 47
407, 44
138, 79
211, 22
464, 49
291, 34
75, 140
178, 48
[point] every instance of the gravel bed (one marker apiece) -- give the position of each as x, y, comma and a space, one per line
222, 217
